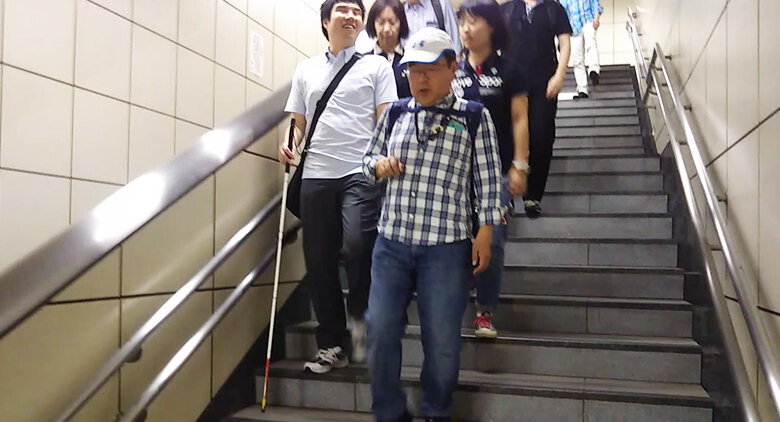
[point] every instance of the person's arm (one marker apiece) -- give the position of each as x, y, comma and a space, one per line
451, 25
376, 164
296, 106
596, 5
486, 173
555, 84
517, 178
379, 110
285, 154
385, 91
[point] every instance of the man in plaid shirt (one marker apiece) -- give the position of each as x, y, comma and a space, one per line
430, 162
585, 18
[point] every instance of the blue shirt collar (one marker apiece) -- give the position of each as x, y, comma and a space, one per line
344, 54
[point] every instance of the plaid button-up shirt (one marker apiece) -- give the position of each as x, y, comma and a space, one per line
581, 12
429, 203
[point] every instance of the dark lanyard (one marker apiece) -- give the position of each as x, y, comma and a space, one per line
438, 129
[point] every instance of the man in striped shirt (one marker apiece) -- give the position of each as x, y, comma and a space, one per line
431, 155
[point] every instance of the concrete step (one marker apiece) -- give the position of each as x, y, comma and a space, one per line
581, 280
599, 252
605, 165
603, 95
596, 112
298, 414
599, 152
595, 142
615, 85
597, 121
605, 182
598, 131
598, 103
595, 203
500, 397
572, 227
577, 355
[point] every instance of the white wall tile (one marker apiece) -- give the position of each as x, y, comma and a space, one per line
267, 144
102, 51
86, 195
195, 88
262, 11
769, 62
36, 116
50, 367
40, 36
34, 208
151, 140
267, 57
154, 71
769, 210
696, 92
745, 345
160, 16
285, 61
197, 25
187, 135
239, 4
121, 7
742, 33
716, 127
229, 95
766, 406
100, 129
285, 15
2, 19
231, 38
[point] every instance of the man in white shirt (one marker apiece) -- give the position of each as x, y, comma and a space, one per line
339, 208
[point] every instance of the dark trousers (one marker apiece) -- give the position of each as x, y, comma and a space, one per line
338, 215
541, 131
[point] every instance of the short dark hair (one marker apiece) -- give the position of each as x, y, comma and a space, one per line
449, 56
379, 7
491, 12
327, 8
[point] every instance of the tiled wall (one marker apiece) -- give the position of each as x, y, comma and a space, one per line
95, 93
726, 55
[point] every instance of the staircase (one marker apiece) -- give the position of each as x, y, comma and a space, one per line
592, 321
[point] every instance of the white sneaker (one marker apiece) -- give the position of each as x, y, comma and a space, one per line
358, 329
327, 359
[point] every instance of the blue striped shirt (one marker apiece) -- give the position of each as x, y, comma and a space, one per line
429, 203
581, 12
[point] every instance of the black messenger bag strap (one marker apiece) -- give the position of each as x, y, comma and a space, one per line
439, 13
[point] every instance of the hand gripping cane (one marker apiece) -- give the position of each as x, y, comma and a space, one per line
280, 240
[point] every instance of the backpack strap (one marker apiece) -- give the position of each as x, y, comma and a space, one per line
439, 13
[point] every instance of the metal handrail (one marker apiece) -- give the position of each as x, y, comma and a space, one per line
763, 341
137, 411
33, 281
133, 346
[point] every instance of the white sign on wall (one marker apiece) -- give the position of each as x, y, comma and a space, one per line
256, 53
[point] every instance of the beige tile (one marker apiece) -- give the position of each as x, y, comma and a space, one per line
742, 33
102, 51
29, 100
100, 281
696, 91
621, 41
266, 54
244, 186
285, 15
766, 408
197, 25
121, 7
241, 327
2, 11
40, 36
743, 206
231, 38
34, 209
267, 144
195, 88
239, 4
86, 195
160, 16
100, 128
308, 31
229, 96
262, 11
151, 140
189, 391
154, 71
769, 213
608, 16
285, 61
172, 248
187, 135
45, 366
745, 344
716, 127
769, 62
605, 37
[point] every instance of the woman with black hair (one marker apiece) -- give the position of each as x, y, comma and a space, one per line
487, 76
387, 24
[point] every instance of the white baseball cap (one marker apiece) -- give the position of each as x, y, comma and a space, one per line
426, 46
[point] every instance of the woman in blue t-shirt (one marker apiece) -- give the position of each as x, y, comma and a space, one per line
486, 76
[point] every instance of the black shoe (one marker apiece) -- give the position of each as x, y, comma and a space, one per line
532, 208
580, 95
594, 78
437, 419
406, 417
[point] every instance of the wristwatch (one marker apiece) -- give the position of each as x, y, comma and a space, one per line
521, 166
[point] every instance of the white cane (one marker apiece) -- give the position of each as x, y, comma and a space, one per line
279, 242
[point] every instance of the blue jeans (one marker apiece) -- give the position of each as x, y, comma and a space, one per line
443, 276
489, 281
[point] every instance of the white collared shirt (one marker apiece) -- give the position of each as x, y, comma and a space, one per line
345, 127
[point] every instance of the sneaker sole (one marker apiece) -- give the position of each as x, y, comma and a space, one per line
318, 369
485, 333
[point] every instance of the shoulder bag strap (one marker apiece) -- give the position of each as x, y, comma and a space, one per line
439, 13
